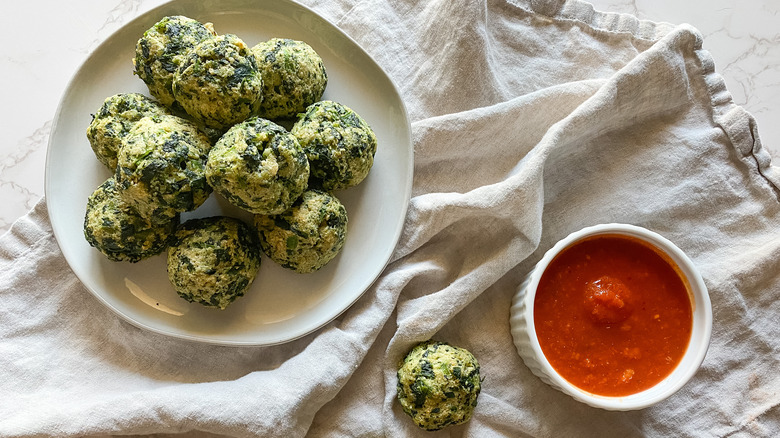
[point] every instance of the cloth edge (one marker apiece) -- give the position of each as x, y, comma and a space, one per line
737, 123
585, 13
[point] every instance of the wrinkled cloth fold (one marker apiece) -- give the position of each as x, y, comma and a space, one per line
530, 120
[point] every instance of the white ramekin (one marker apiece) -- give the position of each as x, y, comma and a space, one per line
524, 332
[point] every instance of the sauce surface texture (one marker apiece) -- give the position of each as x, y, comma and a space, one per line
612, 316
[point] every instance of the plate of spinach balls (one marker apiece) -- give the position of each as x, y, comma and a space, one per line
237, 176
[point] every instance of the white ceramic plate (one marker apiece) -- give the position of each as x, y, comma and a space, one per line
281, 305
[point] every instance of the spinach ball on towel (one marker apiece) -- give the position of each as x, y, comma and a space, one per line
118, 231
161, 50
214, 260
258, 166
111, 125
161, 169
438, 385
293, 74
339, 144
308, 235
218, 83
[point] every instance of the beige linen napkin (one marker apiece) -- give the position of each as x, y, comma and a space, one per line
531, 119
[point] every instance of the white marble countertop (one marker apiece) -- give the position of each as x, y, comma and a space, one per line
52, 38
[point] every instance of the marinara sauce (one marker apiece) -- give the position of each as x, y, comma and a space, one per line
612, 315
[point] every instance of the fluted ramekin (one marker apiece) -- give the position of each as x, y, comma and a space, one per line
527, 344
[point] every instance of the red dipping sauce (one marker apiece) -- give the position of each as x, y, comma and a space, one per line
613, 316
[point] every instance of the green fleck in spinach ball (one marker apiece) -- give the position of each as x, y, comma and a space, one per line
308, 235
161, 49
218, 83
338, 142
113, 122
293, 77
214, 260
438, 385
258, 166
118, 231
161, 169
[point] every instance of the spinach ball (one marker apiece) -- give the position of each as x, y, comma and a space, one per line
258, 166
438, 385
218, 83
161, 50
339, 144
161, 169
117, 230
308, 235
111, 125
293, 74
213, 261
